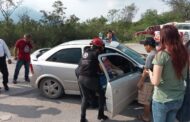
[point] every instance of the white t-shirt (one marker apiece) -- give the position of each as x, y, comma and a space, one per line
4, 50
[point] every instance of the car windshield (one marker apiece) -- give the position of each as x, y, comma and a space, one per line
131, 53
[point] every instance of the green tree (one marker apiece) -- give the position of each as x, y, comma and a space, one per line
113, 15
150, 17
128, 12
95, 25
56, 17
54, 23
7, 7
180, 8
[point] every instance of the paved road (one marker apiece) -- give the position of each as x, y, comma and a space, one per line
25, 104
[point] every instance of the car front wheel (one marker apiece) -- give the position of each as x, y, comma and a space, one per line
51, 88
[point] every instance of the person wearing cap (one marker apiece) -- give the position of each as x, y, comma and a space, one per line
144, 85
88, 80
4, 52
22, 52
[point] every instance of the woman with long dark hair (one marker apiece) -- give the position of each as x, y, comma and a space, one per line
169, 73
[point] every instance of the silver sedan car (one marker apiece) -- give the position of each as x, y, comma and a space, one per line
54, 72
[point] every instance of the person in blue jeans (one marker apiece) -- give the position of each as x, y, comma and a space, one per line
169, 72
22, 51
18, 67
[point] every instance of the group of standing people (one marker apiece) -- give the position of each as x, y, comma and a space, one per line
22, 51
167, 71
166, 68
163, 77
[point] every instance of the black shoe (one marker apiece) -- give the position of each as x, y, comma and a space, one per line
104, 117
14, 81
6, 87
83, 120
27, 80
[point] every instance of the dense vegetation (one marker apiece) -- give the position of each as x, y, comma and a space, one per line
53, 28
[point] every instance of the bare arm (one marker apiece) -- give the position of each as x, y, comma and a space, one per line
155, 76
142, 79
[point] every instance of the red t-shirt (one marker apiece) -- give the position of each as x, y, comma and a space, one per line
24, 49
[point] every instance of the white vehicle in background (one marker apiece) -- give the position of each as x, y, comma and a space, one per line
181, 26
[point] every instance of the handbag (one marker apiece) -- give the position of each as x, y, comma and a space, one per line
183, 114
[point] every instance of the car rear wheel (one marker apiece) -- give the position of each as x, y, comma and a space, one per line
51, 88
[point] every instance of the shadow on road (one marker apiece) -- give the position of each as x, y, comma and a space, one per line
26, 91
27, 111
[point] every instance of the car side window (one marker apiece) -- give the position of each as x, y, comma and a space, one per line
71, 56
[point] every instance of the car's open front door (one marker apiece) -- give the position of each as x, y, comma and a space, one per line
121, 90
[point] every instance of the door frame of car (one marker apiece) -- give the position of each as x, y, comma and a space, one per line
117, 104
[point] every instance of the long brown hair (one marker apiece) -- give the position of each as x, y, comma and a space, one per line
171, 40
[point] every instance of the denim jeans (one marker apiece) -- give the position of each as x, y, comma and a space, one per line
17, 69
165, 112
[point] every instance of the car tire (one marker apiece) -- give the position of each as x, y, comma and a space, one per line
51, 88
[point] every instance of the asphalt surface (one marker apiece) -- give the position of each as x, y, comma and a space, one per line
25, 104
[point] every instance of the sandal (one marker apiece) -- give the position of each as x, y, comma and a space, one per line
140, 117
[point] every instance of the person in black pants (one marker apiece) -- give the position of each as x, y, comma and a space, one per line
4, 52
89, 78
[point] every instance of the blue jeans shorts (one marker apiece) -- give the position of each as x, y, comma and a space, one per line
165, 112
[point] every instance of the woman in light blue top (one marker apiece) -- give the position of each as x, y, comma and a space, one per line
169, 72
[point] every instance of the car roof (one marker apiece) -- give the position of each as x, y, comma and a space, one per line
87, 42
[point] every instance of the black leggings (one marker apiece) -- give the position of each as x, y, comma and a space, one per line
86, 93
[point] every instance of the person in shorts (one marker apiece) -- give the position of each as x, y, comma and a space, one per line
145, 88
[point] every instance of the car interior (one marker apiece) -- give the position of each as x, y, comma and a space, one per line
123, 64
126, 66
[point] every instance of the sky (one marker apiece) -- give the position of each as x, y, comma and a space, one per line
87, 9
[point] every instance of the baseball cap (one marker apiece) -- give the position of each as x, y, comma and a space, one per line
149, 41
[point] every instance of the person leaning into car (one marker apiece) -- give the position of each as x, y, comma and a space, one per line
22, 51
89, 78
4, 52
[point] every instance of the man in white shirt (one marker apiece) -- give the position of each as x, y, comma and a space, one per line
4, 52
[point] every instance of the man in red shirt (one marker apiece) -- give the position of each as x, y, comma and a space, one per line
22, 55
